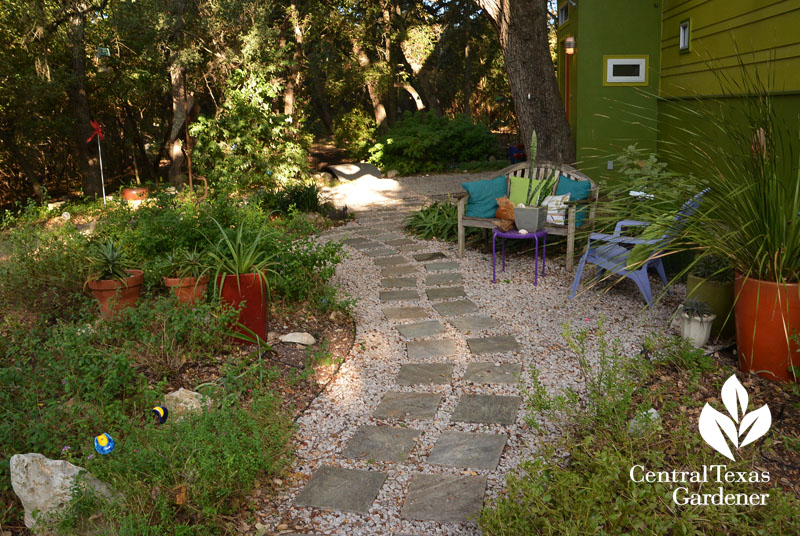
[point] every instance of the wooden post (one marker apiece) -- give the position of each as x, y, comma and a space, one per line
461, 203
571, 236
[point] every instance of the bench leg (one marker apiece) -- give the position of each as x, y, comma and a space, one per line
571, 240
460, 242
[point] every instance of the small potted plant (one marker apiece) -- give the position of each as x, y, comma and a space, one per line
134, 192
711, 281
696, 321
113, 285
240, 263
187, 275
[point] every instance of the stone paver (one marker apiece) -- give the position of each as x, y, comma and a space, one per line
399, 282
424, 257
353, 241
449, 266
338, 488
489, 409
367, 245
420, 329
447, 278
425, 373
456, 308
405, 313
444, 498
379, 252
385, 237
446, 293
391, 261
400, 242
474, 323
399, 405
399, 295
398, 271
462, 449
411, 248
493, 345
431, 348
381, 444
493, 372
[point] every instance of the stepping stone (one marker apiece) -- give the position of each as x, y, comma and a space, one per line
400, 242
425, 373
399, 282
423, 257
383, 252
474, 323
337, 488
456, 308
446, 293
461, 449
493, 372
448, 266
368, 245
354, 241
436, 280
381, 444
493, 345
410, 248
489, 409
405, 313
385, 237
391, 261
432, 348
420, 329
444, 498
397, 405
395, 271
399, 295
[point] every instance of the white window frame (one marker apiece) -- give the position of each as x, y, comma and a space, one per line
564, 7
685, 35
641, 78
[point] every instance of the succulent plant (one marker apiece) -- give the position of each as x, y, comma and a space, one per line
696, 308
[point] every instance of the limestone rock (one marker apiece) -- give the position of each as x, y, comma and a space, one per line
306, 339
43, 485
184, 401
640, 423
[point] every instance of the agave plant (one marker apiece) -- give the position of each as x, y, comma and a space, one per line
107, 262
237, 252
187, 263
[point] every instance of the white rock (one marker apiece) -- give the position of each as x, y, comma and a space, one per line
183, 401
44, 485
640, 423
306, 339
523, 231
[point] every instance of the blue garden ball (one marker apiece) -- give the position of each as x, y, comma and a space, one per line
104, 444
161, 414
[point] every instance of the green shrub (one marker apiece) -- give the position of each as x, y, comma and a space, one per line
426, 142
304, 196
355, 132
437, 220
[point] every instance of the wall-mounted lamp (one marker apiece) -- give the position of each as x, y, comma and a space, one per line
569, 45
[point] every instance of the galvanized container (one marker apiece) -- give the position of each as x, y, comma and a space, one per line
530, 218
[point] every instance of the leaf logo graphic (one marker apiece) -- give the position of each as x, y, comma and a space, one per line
715, 426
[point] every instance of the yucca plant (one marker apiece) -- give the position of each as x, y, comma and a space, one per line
237, 252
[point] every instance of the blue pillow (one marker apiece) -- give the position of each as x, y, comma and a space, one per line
482, 202
578, 191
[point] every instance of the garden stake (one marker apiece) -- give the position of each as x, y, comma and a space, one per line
98, 132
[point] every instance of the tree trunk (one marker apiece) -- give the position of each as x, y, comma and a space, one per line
295, 77
428, 92
27, 168
373, 88
467, 88
79, 102
414, 95
521, 26
178, 92
391, 100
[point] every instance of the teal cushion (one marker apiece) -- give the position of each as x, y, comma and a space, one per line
578, 191
482, 202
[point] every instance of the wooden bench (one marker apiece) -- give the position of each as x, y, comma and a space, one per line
540, 171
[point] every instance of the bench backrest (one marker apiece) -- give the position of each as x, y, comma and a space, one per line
546, 170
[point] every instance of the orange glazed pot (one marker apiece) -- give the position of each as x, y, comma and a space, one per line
767, 314
251, 291
187, 289
114, 295
135, 194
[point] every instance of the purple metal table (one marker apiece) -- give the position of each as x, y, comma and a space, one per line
515, 235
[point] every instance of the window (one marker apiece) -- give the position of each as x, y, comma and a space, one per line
684, 36
625, 70
563, 14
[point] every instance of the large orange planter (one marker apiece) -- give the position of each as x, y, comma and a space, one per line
250, 290
187, 289
114, 295
767, 314
135, 194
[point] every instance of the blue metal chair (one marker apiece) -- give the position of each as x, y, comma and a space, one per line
611, 252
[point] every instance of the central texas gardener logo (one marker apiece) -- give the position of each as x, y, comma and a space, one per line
715, 426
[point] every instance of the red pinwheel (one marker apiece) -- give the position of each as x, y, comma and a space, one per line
97, 131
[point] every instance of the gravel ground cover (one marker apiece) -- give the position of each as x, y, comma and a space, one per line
533, 315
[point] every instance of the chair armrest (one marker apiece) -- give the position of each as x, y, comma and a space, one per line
622, 240
628, 223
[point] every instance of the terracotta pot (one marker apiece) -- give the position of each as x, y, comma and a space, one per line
766, 315
187, 289
135, 194
718, 296
252, 290
114, 295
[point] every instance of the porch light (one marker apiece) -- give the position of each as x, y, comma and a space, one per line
569, 45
